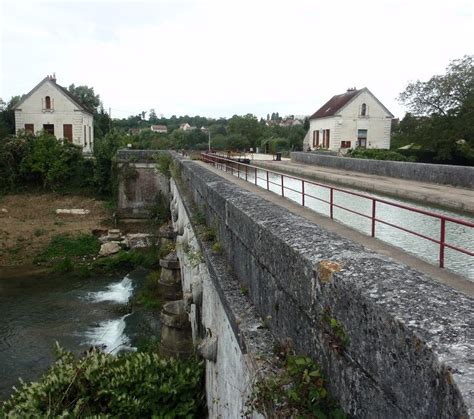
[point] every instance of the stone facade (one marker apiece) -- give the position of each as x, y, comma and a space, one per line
362, 121
50, 107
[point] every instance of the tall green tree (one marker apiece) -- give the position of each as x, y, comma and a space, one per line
443, 108
248, 127
86, 95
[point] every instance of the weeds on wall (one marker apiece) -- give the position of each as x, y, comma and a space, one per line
160, 210
163, 164
298, 390
335, 331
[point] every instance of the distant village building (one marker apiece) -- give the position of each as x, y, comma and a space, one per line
159, 128
290, 122
186, 127
349, 120
50, 107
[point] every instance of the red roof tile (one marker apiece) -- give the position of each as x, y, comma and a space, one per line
334, 104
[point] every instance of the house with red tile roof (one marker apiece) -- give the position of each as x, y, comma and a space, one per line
352, 119
52, 108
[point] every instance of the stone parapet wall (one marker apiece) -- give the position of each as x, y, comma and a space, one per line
394, 342
461, 176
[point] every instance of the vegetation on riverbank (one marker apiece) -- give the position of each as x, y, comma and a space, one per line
132, 384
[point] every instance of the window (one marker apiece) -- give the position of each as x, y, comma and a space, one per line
47, 102
90, 136
345, 144
362, 138
49, 128
85, 135
363, 110
67, 132
315, 139
30, 128
326, 138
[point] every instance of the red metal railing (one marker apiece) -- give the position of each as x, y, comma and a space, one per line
232, 165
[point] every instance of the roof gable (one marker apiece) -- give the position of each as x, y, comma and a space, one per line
61, 89
337, 102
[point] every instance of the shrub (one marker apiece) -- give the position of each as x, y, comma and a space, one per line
378, 154
133, 384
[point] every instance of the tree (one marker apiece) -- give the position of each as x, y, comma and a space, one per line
248, 127
442, 94
86, 96
152, 117
443, 110
7, 117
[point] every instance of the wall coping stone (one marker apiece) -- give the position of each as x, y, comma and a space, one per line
461, 176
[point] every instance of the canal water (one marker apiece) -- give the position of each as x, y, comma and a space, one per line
77, 313
456, 234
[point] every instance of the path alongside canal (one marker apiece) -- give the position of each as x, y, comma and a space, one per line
457, 282
445, 196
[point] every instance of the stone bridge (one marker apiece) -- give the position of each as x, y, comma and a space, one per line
266, 278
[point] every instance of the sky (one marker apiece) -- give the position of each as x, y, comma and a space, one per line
217, 58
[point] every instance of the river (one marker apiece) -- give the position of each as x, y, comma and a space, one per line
77, 313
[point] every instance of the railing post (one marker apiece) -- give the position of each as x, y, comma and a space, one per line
302, 192
373, 217
268, 183
256, 175
331, 202
282, 187
441, 244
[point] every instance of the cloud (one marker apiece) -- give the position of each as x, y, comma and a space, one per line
218, 58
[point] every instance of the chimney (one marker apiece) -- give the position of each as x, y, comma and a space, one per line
53, 78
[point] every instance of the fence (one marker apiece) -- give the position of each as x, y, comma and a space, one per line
244, 170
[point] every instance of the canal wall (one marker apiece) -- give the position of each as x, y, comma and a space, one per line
460, 176
139, 183
225, 325
393, 342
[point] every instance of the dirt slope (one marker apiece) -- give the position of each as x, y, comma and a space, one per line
28, 221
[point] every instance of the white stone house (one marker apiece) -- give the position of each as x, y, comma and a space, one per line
350, 120
159, 128
50, 107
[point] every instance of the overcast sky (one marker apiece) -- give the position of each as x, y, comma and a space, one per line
220, 58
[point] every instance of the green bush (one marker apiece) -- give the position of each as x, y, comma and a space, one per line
148, 296
125, 261
134, 384
378, 154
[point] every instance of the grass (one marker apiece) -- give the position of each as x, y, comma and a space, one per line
66, 246
77, 254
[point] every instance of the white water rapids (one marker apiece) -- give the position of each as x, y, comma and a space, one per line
109, 334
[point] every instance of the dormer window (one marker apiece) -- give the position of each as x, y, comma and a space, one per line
363, 110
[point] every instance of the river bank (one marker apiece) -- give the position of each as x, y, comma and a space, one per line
29, 221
